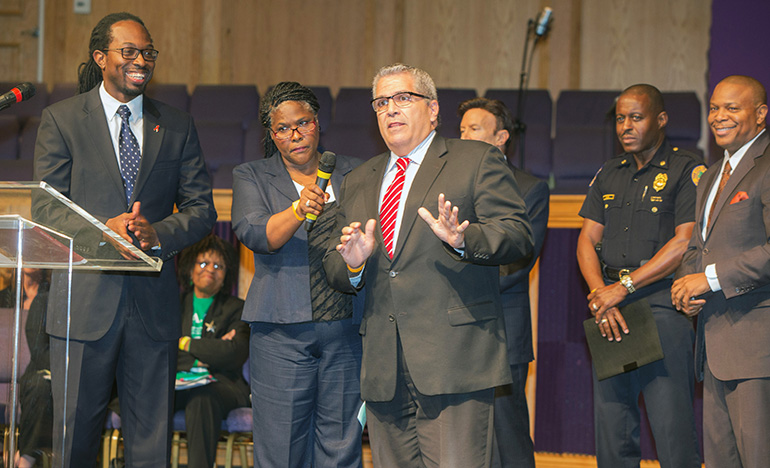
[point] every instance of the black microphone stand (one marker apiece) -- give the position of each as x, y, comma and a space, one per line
519, 127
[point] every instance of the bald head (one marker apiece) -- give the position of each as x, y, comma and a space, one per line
758, 93
652, 93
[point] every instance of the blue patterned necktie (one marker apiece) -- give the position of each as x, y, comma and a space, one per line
130, 153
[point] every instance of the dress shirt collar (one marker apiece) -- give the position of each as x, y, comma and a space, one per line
111, 105
736, 158
416, 155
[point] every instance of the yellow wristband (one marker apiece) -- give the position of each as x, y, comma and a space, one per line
356, 270
183, 342
294, 209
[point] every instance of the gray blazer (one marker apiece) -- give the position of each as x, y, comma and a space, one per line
75, 155
734, 325
445, 307
280, 289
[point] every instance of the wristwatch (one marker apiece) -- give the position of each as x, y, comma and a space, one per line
625, 280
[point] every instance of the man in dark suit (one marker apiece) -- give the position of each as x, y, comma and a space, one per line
129, 170
488, 120
725, 276
433, 331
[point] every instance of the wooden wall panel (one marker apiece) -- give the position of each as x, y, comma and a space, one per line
594, 44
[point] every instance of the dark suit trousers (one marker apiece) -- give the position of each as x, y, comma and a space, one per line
668, 388
513, 444
736, 422
416, 430
145, 371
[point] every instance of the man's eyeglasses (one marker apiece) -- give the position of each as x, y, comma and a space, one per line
217, 266
304, 127
402, 99
131, 53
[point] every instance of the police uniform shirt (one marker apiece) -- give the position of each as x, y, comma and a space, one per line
641, 208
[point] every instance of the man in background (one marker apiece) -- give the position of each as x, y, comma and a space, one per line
490, 121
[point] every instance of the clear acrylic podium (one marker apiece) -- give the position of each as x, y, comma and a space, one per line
42, 229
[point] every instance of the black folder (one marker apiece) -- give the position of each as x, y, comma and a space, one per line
641, 346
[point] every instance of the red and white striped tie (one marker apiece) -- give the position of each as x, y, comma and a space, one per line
390, 203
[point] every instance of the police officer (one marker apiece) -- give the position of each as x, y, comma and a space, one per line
638, 217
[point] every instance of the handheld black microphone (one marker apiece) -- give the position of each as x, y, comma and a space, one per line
543, 21
325, 168
20, 93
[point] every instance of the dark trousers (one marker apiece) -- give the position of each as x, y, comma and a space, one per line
736, 422
416, 430
204, 410
668, 389
513, 444
145, 371
305, 385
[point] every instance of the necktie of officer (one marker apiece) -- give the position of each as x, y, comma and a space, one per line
390, 203
130, 153
722, 183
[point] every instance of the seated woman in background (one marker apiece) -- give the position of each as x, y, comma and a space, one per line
305, 348
213, 348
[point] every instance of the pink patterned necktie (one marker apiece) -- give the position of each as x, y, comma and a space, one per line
390, 203
722, 183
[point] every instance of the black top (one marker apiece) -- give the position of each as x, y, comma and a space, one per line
640, 209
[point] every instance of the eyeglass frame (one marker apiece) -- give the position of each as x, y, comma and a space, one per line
138, 51
296, 129
390, 98
217, 266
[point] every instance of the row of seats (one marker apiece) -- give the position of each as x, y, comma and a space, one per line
230, 133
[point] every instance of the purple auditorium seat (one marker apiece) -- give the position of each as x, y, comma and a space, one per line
32, 107
448, 100
253, 145
585, 138
360, 141
222, 142
354, 129
225, 103
27, 138
16, 170
222, 177
537, 115
684, 124
175, 95
9, 136
324, 95
62, 91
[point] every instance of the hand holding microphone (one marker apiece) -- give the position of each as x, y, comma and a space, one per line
325, 168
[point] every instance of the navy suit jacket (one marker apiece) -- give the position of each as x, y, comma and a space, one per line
280, 289
74, 154
514, 277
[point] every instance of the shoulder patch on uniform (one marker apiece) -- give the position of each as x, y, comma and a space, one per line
595, 176
696, 174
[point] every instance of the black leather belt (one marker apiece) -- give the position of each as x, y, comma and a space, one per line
615, 273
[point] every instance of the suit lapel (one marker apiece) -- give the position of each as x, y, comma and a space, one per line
423, 181
279, 177
153, 136
104, 151
372, 197
747, 163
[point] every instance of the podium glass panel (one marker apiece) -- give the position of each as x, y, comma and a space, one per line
41, 230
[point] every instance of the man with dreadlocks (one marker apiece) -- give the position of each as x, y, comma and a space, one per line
127, 160
305, 351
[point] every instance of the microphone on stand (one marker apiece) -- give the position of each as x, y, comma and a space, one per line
325, 168
543, 21
20, 93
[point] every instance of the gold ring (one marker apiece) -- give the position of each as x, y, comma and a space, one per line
604, 320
